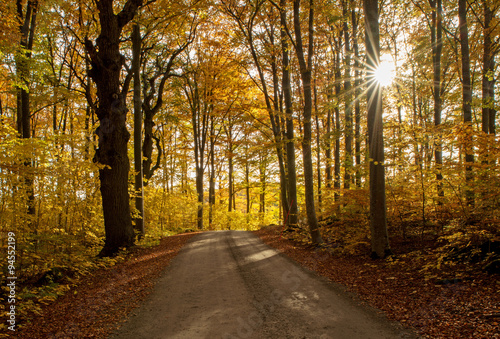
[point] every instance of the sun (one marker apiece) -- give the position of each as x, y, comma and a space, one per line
384, 74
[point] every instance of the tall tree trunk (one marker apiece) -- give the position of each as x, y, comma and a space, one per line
378, 219
328, 137
112, 153
27, 28
466, 99
199, 153
336, 164
139, 190
247, 186
290, 142
211, 184
230, 166
262, 178
318, 146
488, 81
437, 47
305, 72
357, 95
347, 98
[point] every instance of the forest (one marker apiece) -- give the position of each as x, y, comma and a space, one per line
350, 124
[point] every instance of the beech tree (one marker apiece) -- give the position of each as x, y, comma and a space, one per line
306, 75
378, 209
466, 97
27, 23
111, 154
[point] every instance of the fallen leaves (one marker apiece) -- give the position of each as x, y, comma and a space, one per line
455, 308
99, 302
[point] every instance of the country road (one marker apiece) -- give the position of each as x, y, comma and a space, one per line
230, 285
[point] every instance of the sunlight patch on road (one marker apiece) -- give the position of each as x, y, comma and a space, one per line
263, 255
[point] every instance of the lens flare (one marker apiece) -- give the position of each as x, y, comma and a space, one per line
384, 74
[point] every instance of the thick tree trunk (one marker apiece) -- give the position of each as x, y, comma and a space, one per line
378, 219
466, 99
139, 190
113, 135
305, 72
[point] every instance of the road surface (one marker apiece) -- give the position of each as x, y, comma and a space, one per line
230, 285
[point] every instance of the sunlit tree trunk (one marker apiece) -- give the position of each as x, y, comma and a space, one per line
378, 219
305, 72
290, 142
347, 97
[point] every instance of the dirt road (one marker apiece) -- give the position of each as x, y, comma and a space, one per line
231, 285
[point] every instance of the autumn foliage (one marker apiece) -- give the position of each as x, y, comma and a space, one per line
217, 152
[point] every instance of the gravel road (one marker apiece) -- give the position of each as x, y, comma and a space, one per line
230, 285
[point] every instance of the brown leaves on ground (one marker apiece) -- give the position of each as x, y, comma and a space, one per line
435, 308
102, 300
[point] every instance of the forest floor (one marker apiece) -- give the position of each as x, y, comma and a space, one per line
437, 301
408, 288
100, 301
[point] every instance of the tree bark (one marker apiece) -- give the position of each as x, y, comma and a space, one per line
290, 138
27, 28
111, 154
305, 72
347, 98
211, 184
318, 146
139, 189
466, 99
336, 164
378, 219
262, 178
437, 47
357, 94
488, 81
